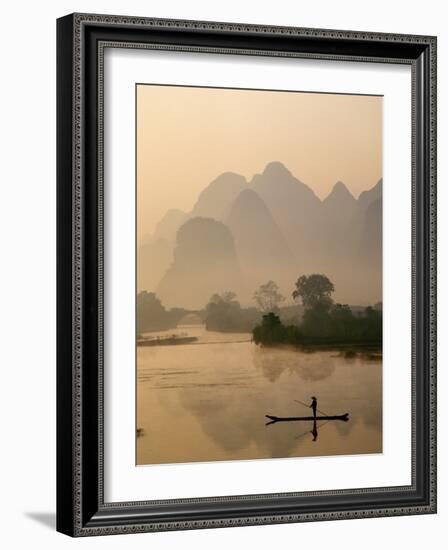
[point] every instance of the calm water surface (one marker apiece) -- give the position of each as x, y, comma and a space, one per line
207, 401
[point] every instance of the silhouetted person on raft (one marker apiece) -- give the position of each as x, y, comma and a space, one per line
314, 406
314, 430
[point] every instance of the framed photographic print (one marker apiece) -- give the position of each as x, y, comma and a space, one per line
246, 274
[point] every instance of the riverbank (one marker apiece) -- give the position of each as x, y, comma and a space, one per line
347, 350
167, 341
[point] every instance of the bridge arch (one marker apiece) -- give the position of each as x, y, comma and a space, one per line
192, 318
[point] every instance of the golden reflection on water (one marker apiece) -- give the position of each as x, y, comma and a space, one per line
208, 401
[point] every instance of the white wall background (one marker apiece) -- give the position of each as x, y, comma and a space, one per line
27, 289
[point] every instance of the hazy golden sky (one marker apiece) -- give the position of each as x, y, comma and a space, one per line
188, 136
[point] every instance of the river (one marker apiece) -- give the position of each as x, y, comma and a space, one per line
208, 400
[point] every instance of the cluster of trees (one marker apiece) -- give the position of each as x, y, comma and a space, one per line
323, 321
320, 320
152, 315
224, 313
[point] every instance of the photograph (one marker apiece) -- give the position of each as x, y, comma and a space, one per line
258, 274
246, 271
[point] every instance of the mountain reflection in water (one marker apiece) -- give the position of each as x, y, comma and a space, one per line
207, 401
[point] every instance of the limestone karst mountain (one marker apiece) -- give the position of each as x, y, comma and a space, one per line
154, 257
205, 262
337, 225
370, 251
340, 249
155, 253
239, 235
167, 227
371, 234
370, 227
293, 205
261, 246
367, 197
339, 201
216, 199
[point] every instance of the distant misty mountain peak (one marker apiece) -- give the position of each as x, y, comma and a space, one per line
215, 200
276, 169
247, 196
260, 244
340, 187
248, 209
202, 230
277, 181
169, 224
228, 178
339, 194
371, 195
240, 234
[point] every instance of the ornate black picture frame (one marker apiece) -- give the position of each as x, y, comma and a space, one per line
81, 508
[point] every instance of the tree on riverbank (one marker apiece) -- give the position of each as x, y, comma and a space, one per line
151, 314
323, 322
268, 297
314, 291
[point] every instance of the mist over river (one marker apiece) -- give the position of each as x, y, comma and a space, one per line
207, 400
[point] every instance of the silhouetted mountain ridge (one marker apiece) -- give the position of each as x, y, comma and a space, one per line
279, 229
216, 199
369, 196
339, 196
